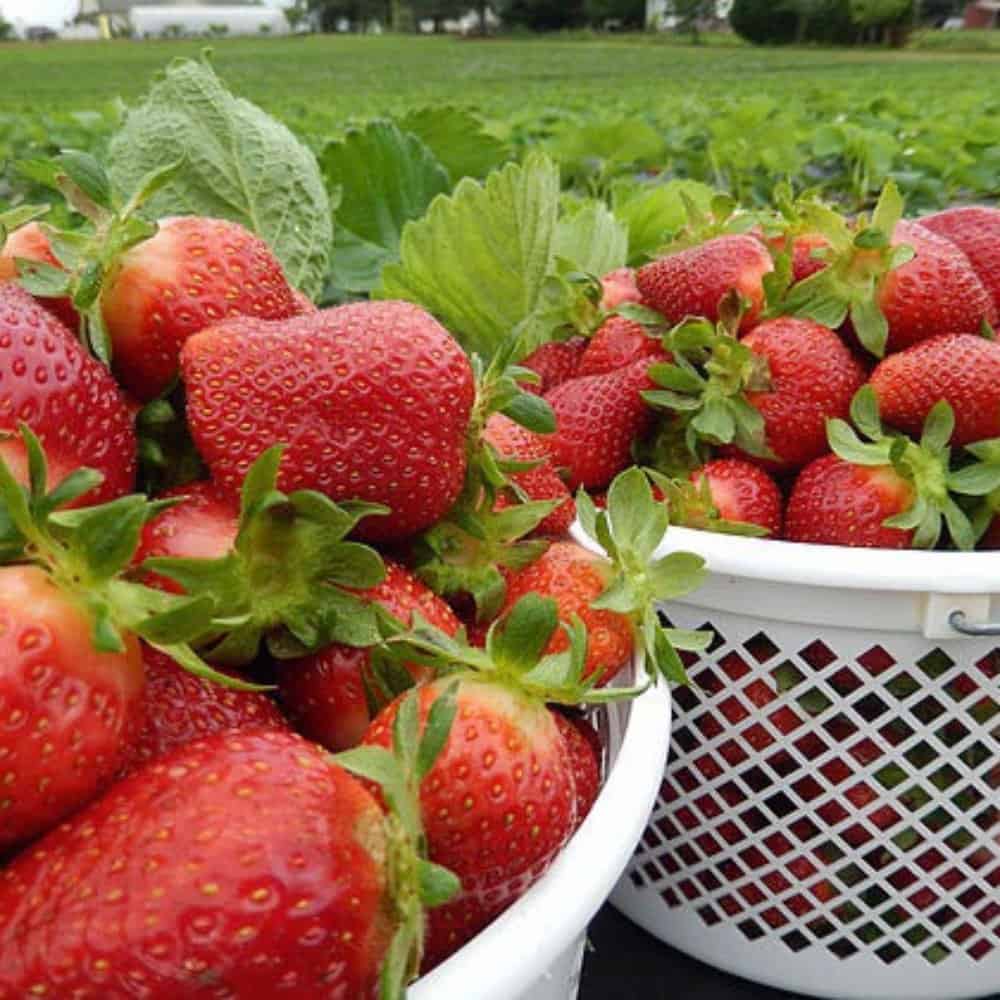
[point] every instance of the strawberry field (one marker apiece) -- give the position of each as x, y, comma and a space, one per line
382, 421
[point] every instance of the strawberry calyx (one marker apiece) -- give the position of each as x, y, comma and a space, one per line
691, 505
926, 465
89, 256
859, 258
14, 218
415, 883
981, 479
86, 552
705, 387
630, 529
289, 580
722, 217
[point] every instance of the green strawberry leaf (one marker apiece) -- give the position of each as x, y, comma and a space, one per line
516, 644
593, 239
458, 138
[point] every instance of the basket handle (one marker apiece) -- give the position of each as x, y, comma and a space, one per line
960, 623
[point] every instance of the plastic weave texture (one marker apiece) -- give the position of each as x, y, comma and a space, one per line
829, 820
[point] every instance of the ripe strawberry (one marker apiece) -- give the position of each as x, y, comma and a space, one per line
179, 708
69, 710
742, 493
693, 282
498, 804
837, 503
803, 262
515, 443
618, 287
585, 754
975, 230
597, 419
241, 865
30, 242
574, 578
69, 400
373, 400
617, 343
194, 272
961, 368
203, 526
813, 377
325, 694
556, 362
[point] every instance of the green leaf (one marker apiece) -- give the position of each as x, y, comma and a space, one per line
516, 642
71, 488
260, 480
88, 175
356, 265
938, 427
652, 214
848, 446
976, 480
959, 526
889, 209
458, 139
105, 537
870, 324
386, 178
638, 522
593, 239
186, 621
42, 279
437, 884
479, 258
675, 575
436, 730
532, 412
239, 164
14, 218
865, 413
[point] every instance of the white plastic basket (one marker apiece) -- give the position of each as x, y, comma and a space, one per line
534, 951
829, 821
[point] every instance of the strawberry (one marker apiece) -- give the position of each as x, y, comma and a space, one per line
741, 493
555, 362
379, 379
618, 287
497, 806
961, 368
617, 343
975, 230
245, 864
202, 526
195, 272
896, 282
585, 754
179, 708
838, 503
813, 378
69, 400
30, 242
574, 578
512, 442
694, 282
597, 419
327, 694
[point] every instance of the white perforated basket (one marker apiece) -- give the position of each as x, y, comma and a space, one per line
829, 820
534, 951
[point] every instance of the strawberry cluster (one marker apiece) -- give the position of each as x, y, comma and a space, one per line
293, 640
801, 376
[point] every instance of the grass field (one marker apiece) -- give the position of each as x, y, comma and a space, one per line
735, 116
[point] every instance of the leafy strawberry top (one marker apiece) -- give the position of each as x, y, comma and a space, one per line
290, 577
87, 550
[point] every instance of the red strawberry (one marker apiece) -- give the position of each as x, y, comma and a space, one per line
597, 419
555, 362
203, 526
30, 242
975, 230
813, 377
619, 287
193, 273
180, 708
574, 578
742, 493
373, 400
516, 443
693, 282
617, 343
936, 292
69, 712
324, 693
585, 754
803, 245
68, 399
837, 503
241, 865
498, 804
961, 368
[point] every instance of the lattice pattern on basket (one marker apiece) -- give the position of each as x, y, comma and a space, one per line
842, 800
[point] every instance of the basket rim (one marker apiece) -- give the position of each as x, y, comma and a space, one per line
833, 566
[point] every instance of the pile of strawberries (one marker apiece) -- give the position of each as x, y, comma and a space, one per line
302, 713
801, 376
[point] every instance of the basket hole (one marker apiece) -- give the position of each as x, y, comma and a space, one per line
896, 731
780, 804
843, 948
821, 927
890, 776
978, 753
761, 648
952, 732
878, 859
938, 819
734, 665
708, 681
709, 915
787, 676
683, 739
874, 896
850, 875
817, 655
811, 745
845, 681
876, 660
869, 933
917, 934
921, 754
971, 896
936, 953
944, 777
804, 829
686, 698
895, 916
989, 912
889, 952
935, 663
980, 950
840, 727
756, 778
750, 929
902, 687
796, 940
902, 878
961, 933
814, 702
